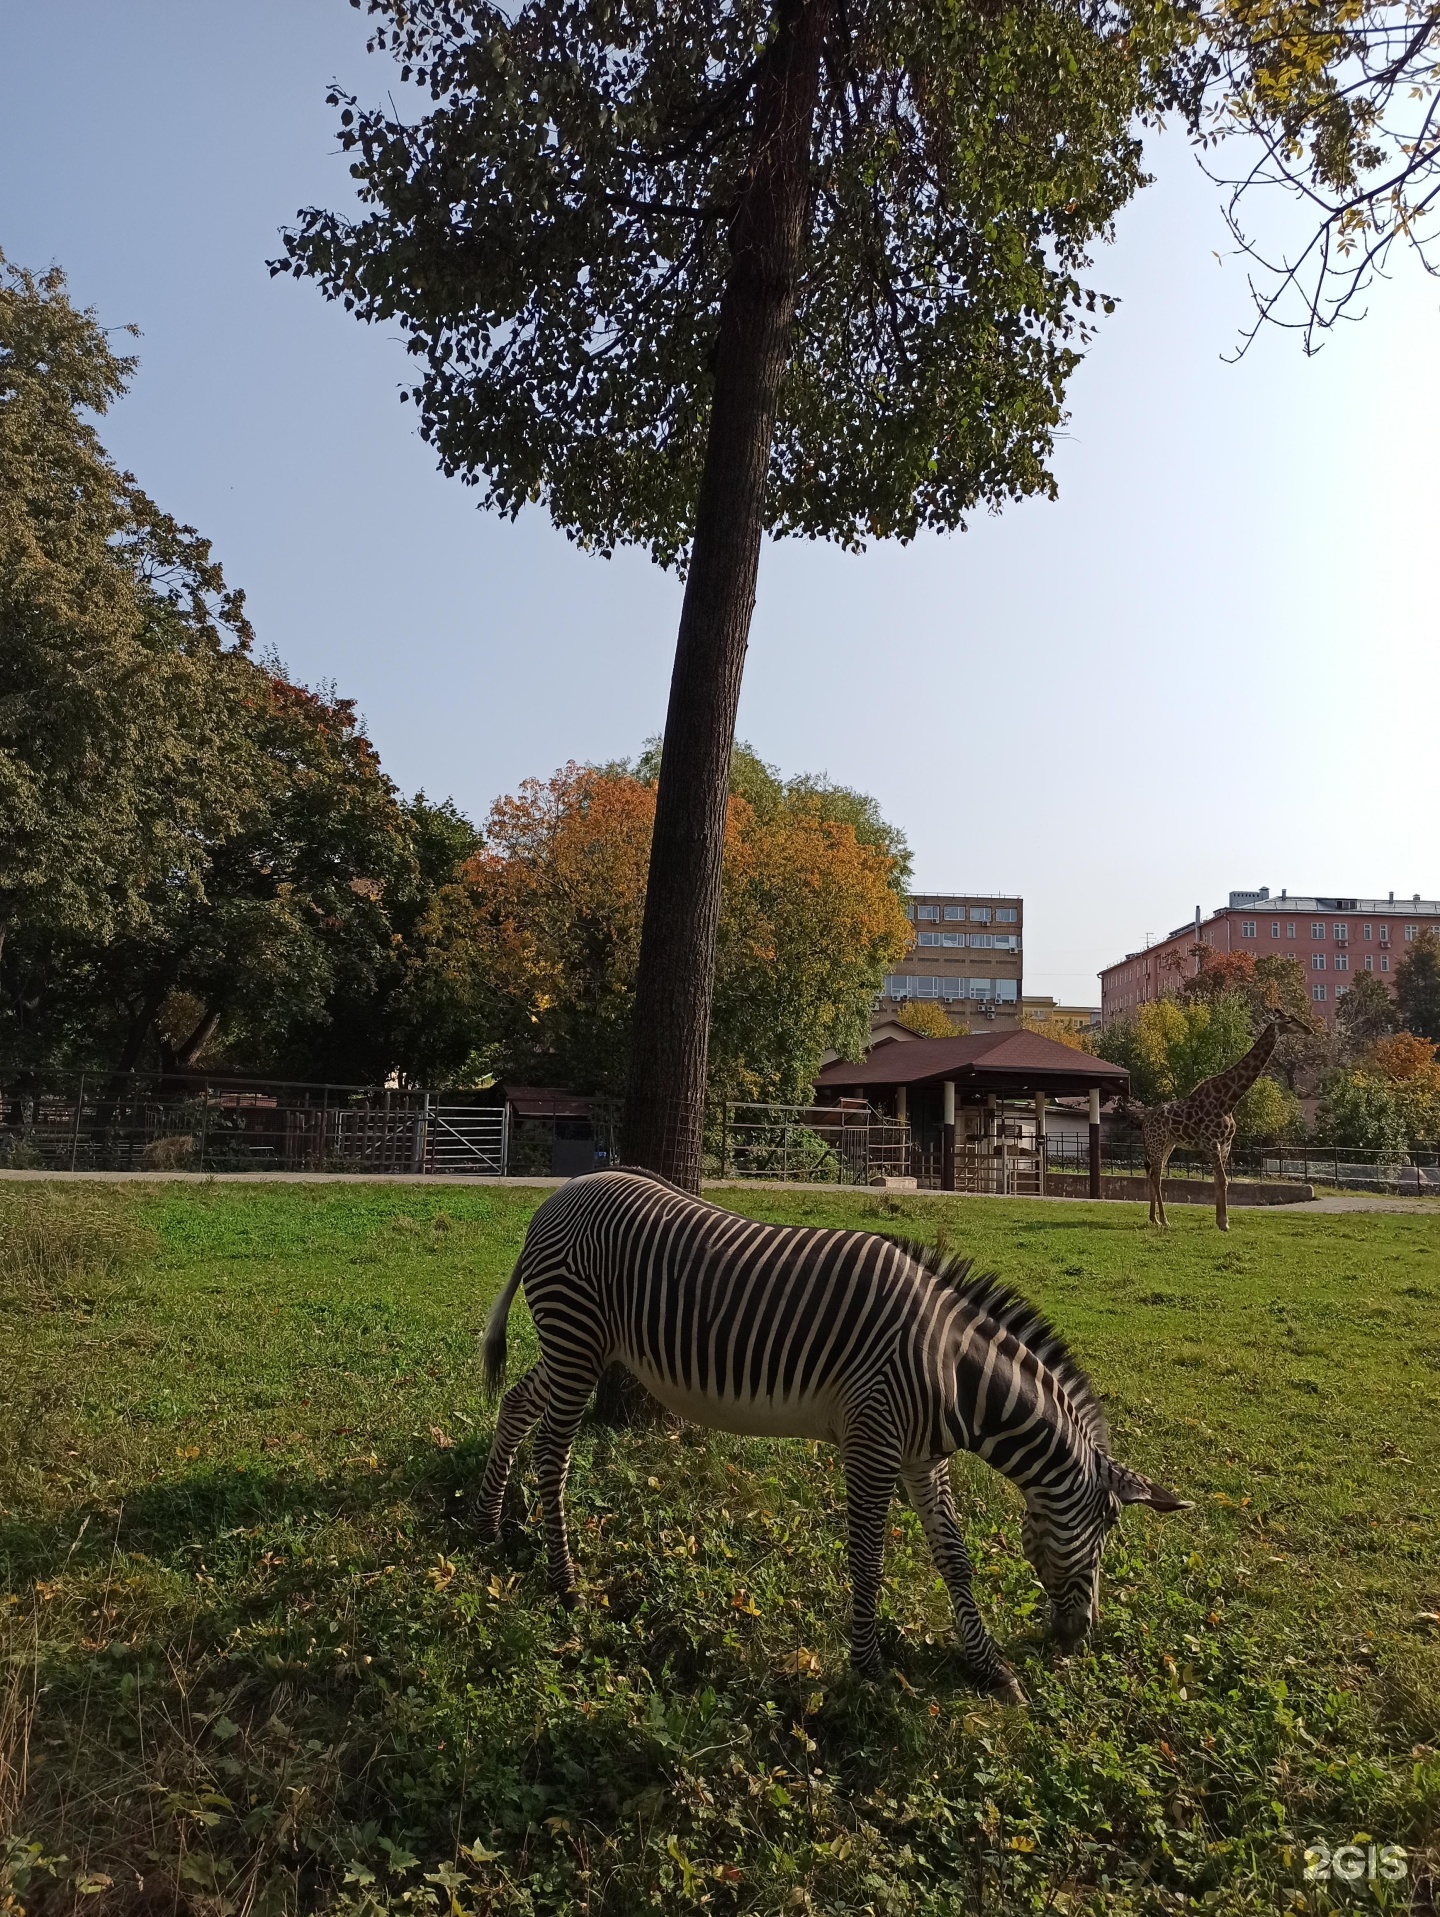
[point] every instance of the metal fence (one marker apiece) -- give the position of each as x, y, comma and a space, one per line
1345, 1167
813, 1144
140, 1122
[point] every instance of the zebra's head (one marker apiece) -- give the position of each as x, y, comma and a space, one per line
1064, 1531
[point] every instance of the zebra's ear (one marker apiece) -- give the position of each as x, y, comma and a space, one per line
1131, 1488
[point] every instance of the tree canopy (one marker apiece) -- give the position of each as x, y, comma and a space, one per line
121, 647
685, 275
536, 945
1417, 985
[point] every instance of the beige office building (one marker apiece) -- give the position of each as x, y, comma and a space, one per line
967, 957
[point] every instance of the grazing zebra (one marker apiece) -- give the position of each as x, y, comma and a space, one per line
895, 1355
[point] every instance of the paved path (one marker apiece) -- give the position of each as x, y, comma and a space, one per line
1339, 1202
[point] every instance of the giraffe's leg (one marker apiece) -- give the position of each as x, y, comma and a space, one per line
1222, 1181
520, 1409
564, 1408
1161, 1170
872, 1462
929, 1489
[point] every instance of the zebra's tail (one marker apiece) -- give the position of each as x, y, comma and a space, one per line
492, 1351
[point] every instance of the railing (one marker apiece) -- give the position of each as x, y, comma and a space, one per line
143, 1122
810, 1144
1346, 1167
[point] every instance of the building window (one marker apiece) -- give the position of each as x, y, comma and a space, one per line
979, 914
1274, 928
1317, 992
1340, 991
1342, 930
1369, 961
1247, 928
954, 912
1384, 961
1384, 934
1006, 915
1342, 961
1317, 961
1317, 928
1290, 928
1411, 930
927, 911
1007, 990
1369, 929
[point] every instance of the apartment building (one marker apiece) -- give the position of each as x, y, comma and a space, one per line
967, 955
1333, 937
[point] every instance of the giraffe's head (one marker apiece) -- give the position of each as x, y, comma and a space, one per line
1292, 1022
1064, 1532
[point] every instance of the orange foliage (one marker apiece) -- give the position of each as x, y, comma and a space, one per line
1405, 1056
544, 927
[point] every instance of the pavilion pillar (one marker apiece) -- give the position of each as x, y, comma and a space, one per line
901, 1106
1094, 1141
947, 1136
1040, 1142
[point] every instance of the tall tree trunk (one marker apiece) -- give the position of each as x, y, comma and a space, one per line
665, 1105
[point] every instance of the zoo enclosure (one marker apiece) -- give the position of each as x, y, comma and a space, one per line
145, 1122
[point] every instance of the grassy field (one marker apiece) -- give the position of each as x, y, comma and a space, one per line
254, 1662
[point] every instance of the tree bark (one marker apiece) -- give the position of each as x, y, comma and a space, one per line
665, 1106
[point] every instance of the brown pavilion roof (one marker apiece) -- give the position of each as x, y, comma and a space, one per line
1010, 1064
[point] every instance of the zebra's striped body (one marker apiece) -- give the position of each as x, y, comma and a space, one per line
777, 1331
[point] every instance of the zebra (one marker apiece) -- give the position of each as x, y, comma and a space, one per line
896, 1355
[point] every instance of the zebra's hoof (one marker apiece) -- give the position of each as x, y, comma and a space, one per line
1005, 1688
871, 1670
568, 1600
486, 1531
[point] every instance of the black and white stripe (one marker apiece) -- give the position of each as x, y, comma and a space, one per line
898, 1357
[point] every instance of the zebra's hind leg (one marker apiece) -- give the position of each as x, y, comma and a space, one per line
563, 1411
934, 1499
871, 1466
520, 1409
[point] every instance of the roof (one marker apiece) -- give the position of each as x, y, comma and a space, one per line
1009, 1063
544, 1101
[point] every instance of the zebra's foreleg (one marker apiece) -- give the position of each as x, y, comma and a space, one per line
871, 1466
563, 1412
520, 1409
931, 1494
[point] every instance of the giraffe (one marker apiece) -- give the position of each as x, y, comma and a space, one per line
1204, 1119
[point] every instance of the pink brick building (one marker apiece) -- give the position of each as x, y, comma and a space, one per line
1333, 938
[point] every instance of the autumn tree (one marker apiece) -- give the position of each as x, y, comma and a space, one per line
688, 274
538, 945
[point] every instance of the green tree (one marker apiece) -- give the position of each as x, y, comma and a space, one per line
120, 647
1417, 986
686, 274
1361, 1109
1365, 1013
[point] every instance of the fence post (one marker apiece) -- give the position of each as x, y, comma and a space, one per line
505, 1141
75, 1128
1094, 1141
204, 1123
422, 1126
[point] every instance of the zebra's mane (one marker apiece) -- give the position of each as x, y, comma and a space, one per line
995, 1301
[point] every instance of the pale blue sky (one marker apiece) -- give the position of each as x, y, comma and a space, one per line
1212, 663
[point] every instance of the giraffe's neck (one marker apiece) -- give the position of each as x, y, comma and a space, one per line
1232, 1084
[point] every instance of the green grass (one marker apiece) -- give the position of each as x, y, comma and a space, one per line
255, 1662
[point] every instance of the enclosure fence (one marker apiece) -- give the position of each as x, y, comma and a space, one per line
145, 1122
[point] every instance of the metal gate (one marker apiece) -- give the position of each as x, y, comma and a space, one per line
465, 1138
